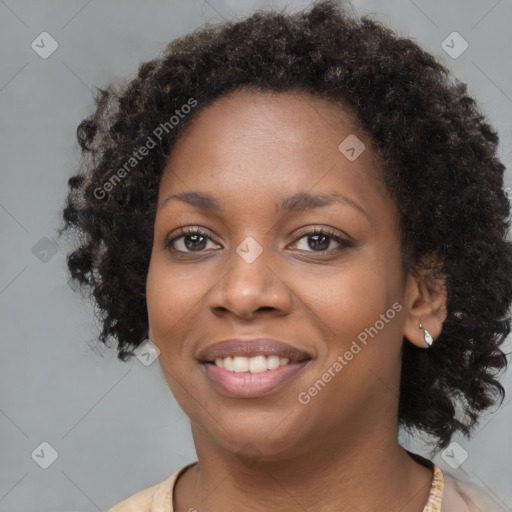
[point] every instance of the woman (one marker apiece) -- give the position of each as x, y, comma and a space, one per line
305, 215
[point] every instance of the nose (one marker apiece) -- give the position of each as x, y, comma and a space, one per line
250, 288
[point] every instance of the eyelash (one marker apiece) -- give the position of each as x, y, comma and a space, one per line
315, 231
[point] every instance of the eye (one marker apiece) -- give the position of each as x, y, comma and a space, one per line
188, 241
320, 240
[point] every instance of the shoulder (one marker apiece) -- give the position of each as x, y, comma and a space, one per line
144, 500
464, 496
157, 498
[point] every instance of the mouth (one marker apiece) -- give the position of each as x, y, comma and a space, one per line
246, 368
256, 364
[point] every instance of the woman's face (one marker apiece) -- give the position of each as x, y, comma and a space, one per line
263, 177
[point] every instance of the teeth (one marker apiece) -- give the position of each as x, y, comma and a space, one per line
240, 364
273, 362
255, 364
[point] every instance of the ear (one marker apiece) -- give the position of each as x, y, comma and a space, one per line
425, 304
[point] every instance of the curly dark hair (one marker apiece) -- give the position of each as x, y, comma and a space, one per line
439, 164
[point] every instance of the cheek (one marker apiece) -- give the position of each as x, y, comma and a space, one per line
352, 297
361, 356
357, 308
172, 299
172, 296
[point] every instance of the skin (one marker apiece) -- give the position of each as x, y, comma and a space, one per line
339, 451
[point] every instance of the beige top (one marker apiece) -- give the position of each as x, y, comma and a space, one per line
447, 494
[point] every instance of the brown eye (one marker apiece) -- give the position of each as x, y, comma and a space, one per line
189, 241
321, 241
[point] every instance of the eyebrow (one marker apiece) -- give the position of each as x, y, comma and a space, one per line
297, 202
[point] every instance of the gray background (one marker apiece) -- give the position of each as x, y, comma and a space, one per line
115, 426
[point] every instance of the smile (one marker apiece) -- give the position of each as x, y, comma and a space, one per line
251, 367
255, 364
247, 384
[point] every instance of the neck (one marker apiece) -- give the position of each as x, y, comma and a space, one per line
370, 473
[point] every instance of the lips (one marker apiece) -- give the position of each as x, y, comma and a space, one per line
247, 384
251, 348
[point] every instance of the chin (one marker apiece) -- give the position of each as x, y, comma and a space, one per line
267, 436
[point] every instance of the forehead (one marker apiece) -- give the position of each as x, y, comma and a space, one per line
260, 145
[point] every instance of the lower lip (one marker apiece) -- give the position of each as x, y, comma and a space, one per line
252, 385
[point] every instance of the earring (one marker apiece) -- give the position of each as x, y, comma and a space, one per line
427, 336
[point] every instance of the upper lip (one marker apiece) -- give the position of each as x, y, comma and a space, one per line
250, 347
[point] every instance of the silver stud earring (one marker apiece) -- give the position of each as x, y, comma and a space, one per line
427, 336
